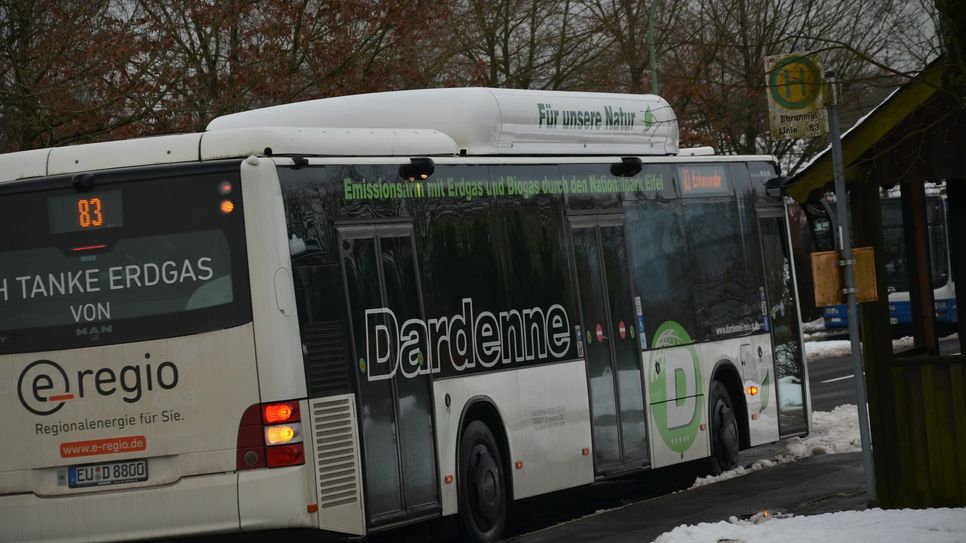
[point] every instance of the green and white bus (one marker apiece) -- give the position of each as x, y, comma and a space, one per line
357, 313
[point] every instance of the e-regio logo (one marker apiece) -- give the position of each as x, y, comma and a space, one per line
44, 386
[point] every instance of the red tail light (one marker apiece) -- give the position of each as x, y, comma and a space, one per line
279, 420
286, 455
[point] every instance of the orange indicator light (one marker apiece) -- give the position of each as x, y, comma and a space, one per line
752, 390
283, 433
279, 412
313, 508
519, 464
448, 479
227, 206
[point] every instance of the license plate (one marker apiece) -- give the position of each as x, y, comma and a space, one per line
107, 473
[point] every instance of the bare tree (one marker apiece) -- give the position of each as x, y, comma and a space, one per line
951, 23
625, 25
231, 55
72, 71
719, 79
527, 43
81, 71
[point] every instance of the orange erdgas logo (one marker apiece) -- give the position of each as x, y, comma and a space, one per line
44, 386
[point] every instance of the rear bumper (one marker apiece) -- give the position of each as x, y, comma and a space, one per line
193, 505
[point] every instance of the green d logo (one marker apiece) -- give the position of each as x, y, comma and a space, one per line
675, 386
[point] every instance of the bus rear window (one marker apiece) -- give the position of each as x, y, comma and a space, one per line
134, 258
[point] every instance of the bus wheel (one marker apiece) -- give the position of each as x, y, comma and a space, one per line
482, 492
724, 431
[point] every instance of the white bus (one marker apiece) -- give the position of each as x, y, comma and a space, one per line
836, 317
357, 313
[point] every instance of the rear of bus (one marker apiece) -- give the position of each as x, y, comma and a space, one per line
130, 389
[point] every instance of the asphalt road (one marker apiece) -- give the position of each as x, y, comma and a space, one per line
832, 380
818, 484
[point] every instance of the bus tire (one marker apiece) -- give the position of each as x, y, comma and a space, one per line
482, 489
725, 434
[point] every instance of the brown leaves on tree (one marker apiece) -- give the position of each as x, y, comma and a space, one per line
90, 70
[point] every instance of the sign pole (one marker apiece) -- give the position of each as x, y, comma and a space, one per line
847, 261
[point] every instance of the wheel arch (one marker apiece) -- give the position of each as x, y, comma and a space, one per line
484, 409
727, 374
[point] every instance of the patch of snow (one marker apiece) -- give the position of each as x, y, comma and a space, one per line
296, 245
811, 327
790, 392
815, 350
892, 526
822, 335
835, 431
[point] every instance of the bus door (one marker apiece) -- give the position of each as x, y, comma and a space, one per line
610, 343
395, 396
791, 381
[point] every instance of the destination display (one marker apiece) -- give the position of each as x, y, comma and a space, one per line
703, 180
88, 211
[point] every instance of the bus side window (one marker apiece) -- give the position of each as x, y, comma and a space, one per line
317, 279
658, 249
724, 287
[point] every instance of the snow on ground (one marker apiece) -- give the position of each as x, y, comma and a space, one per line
892, 526
819, 346
815, 331
815, 350
813, 327
835, 431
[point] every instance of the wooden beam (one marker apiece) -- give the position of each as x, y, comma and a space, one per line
921, 300
956, 200
877, 349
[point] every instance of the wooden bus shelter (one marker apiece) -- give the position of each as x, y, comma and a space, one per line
917, 397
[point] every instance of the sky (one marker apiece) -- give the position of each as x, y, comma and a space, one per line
835, 431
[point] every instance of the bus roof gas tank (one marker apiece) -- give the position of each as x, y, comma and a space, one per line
485, 121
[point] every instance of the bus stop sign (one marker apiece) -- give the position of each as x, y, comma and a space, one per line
795, 105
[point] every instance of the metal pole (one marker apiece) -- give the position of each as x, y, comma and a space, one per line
650, 44
846, 262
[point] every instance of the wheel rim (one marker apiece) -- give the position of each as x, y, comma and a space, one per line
486, 491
